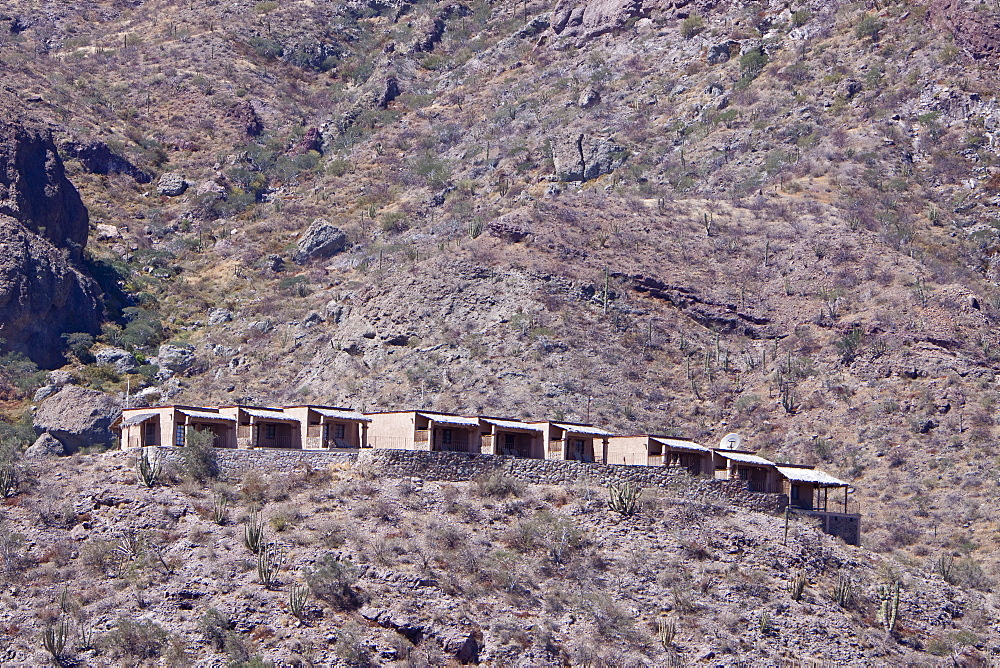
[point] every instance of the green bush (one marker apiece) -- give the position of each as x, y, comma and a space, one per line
79, 343
692, 25
752, 63
332, 580
198, 454
135, 641
869, 28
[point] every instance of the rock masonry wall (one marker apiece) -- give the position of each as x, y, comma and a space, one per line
459, 467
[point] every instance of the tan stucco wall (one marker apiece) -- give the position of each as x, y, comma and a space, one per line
393, 431
628, 450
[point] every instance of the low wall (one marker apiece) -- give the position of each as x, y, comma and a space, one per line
460, 467
233, 464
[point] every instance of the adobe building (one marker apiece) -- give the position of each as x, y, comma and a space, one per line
649, 450
168, 425
573, 441
327, 427
759, 474
424, 430
258, 427
512, 438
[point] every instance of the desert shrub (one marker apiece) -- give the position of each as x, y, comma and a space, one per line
80, 343
19, 376
496, 485
752, 63
352, 648
253, 489
12, 556
99, 555
198, 455
135, 640
214, 626
870, 27
332, 580
555, 534
692, 25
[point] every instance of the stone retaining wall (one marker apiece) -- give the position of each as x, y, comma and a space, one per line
459, 467
233, 464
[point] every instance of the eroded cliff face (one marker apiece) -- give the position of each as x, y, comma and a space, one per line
44, 291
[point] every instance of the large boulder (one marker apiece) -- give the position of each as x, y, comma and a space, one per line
98, 158
78, 417
579, 157
319, 241
122, 360
175, 358
171, 184
45, 445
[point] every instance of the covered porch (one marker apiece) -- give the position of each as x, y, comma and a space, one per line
809, 489
695, 458
511, 438
759, 474
576, 442
323, 428
440, 432
264, 428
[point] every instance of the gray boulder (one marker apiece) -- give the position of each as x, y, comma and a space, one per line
217, 316
122, 360
319, 241
45, 392
78, 418
171, 184
60, 378
578, 157
46, 445
175, 358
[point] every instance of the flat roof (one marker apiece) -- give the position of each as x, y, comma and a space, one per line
339, 413
445, 418
136, 419
744, 457
680, 444
510, 424
267, 414
205, 415
814, 476
582, 429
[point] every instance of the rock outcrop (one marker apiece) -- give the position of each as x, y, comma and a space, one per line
44, 293
98, 158
171, 185
975, 31
78, 417
42, 296
578, 157
34, 189
320, 240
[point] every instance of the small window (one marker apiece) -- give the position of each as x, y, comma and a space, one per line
338, 431
179, 436
510, 440
270, 432
795, 492
446, 436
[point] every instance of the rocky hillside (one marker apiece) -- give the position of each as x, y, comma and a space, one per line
681, 217
370, 571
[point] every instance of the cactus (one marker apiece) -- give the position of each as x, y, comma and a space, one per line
297, 597
764, 623
624, 497
666, 631
475, 228
8, 482
253, 533
268, 560
797, 587
148, 469
888, 609
220, 510
54, 639
843, 591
